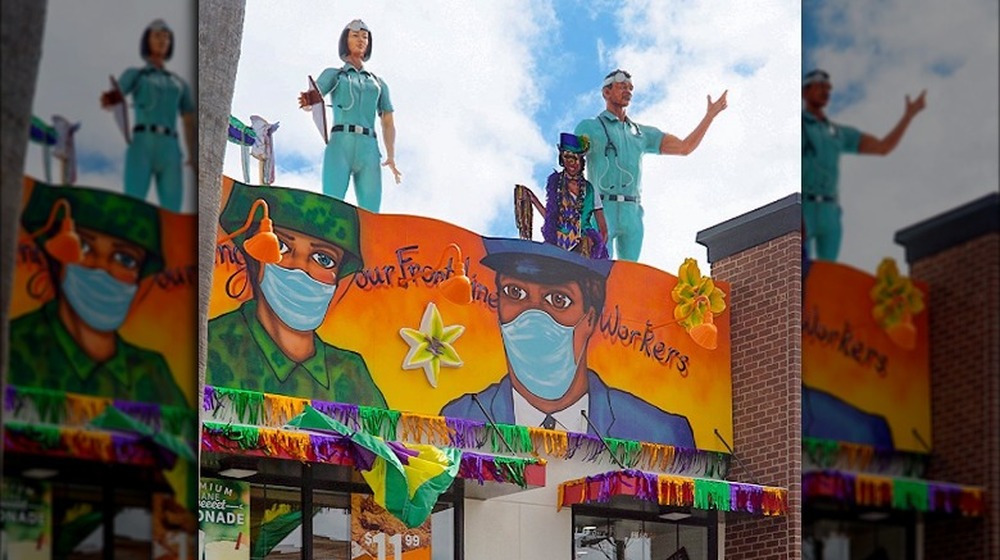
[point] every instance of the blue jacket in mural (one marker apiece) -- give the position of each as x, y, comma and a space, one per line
615, 413
825, 416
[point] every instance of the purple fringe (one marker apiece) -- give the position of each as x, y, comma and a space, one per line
9, 398
147, 413
465, 433
472, 465
745, 497
208, 401
344, 413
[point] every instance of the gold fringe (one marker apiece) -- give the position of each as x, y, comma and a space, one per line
555, 443
420, 428
281, 409
81, 409
285, 443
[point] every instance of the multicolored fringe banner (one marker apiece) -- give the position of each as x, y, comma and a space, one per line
77, 443
838, 455
48, 406
235, 406
895, 493
675, 491
334, 449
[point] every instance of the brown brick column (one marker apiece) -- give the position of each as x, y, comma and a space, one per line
958, 255
760, 255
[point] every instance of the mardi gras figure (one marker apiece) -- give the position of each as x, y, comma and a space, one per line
159, 95
822, 143
304, 246
550, 302
357, 96
96, 256
574, 215
617, 147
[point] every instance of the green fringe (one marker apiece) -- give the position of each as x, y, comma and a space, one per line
48, 436
247, 437
518, 437
249, 405
711, 494
823, 452
513, 469
50, 403
379, 422
910, 494
179, 421
626, 450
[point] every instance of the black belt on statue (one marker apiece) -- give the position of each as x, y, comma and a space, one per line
619, 198
820, 198
353, 128
155, 129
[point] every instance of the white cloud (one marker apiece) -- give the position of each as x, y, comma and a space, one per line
466, 80
84, 43
949, 153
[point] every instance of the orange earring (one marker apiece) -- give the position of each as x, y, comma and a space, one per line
64, 246
264, 245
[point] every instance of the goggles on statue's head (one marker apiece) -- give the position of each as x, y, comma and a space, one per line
357, 25
617, 76
158, 25
816, 77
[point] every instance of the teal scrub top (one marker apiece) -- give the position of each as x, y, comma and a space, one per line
616, 167
822, 143
357, 95
158, 95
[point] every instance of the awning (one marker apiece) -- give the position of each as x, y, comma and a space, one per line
675, 491
315, 447
888, 492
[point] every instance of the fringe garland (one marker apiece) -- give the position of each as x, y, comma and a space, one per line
379, 422
831, 454
81, 409
676, 491
251, 407
281, 409
78, 443
326, 448
895, 493
711, 494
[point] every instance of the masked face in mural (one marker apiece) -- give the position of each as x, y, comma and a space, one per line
300, 287
100, 289
545, 329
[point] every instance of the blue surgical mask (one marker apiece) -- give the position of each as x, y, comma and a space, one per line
296, 298
98, 298
540, 351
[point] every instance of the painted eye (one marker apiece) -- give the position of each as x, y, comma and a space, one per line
514, 292
558, 300
324, 260
126, 260
283, 247
85, 247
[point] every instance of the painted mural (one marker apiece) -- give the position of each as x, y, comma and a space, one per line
314, 298
102, 284
866, 358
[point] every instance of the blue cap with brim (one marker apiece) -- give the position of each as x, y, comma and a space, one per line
540, 262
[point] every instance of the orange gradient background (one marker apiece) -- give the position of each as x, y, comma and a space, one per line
902, 394
367, 319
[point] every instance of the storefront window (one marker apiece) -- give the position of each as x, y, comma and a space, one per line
275, 522
619, 537
877, 536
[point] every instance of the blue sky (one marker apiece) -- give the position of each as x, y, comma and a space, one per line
879, 52
482, 91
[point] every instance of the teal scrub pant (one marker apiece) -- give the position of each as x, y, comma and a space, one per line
156, 155
823, 229
352, 154
625, 230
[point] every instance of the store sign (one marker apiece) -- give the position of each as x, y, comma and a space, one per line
866, 358
224, 519
377, 535
361, 309
26, 514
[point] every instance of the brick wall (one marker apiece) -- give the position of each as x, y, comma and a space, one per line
765, 302
965, 388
